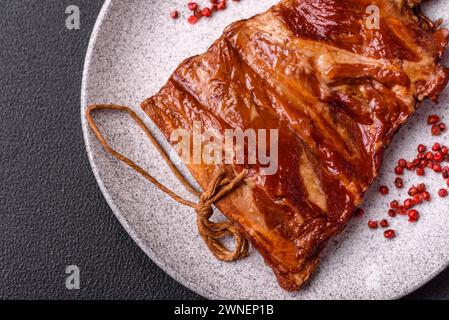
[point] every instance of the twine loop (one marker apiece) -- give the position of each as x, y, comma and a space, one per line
221, 184
212, 232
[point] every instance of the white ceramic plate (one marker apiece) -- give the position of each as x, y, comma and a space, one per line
134, 48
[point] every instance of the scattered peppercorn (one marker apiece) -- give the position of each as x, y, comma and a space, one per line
420, 171
445, 172
398, 182
383, 190
198, 12
192, 19
445, 150
417, 199
438, 156
408, 203
436, 147
394, 204
436, 130
412, 191
399, 170
422, 148
442, 193
402, 163
373, 224
392, 213
192, 6
421, 187
413, 215
221, 5
433, 119
206, 12
389, 234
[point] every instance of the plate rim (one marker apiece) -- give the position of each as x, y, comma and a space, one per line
175, 275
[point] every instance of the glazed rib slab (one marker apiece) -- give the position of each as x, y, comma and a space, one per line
337, 92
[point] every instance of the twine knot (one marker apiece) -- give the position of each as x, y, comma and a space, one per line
213, 232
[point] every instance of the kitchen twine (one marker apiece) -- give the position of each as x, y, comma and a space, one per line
220, 185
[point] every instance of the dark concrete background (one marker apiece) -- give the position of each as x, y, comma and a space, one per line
52, 213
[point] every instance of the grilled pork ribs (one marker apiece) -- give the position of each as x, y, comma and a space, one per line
337, 90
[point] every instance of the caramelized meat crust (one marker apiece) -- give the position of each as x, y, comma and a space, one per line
337, 91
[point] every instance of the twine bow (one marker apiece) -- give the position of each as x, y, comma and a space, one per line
221, 183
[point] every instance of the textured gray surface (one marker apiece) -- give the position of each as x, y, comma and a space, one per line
52, 213
133, 51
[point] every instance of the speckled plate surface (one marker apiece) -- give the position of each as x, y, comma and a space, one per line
134, 48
